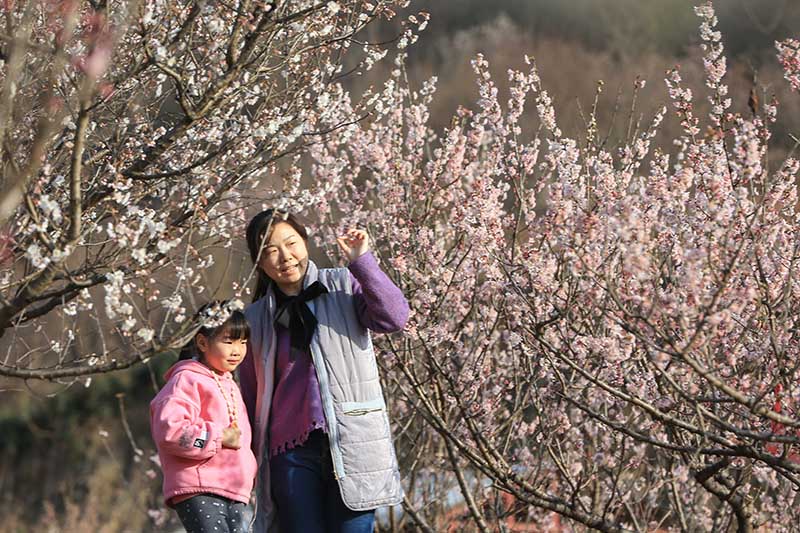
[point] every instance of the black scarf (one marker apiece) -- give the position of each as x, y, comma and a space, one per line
294, 314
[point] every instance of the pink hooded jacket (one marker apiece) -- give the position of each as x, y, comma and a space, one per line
187, 418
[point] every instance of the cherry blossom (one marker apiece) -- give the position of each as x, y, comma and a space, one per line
146, 138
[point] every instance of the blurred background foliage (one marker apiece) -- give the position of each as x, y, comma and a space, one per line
578, 42
78, 458
67, 461
629, 27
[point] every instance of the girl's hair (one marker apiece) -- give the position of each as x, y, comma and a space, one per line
258, 231
235, 327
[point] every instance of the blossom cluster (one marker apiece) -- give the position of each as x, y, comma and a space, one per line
582, 317
714, 61
165, 129
789, 56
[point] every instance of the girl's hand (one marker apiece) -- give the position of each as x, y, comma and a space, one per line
354, 243
230, 437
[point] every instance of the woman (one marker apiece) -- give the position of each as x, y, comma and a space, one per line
311, 385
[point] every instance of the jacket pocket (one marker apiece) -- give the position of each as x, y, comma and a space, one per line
200, 473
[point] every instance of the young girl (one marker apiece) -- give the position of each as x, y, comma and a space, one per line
200, 427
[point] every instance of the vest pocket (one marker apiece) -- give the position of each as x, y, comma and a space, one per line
362, 408
363, 421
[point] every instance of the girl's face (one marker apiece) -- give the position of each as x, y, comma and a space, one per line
285, 258
221, 353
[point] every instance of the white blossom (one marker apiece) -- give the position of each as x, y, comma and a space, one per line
140, 255
34, 255
164, 246
146, 334
172, 303
50, 208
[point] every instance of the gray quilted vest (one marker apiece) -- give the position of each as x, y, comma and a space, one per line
364, 460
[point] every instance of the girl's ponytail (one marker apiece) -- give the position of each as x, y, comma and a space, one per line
188, 352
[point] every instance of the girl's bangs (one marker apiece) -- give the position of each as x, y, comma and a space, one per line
235, 328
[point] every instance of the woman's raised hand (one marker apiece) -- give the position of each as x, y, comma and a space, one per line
354, 243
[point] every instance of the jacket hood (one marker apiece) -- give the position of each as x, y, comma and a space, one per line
188, 365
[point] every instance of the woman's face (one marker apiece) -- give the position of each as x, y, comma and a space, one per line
285, 258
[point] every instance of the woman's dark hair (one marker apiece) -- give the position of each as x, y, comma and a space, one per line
235, 327
258, 231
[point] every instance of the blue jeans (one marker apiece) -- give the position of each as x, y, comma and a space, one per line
307, 494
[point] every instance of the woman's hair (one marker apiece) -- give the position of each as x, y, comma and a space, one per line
234, 327
258, 231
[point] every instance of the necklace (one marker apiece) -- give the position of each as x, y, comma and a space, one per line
231, 405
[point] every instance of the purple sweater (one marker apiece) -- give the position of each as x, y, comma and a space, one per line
296, 403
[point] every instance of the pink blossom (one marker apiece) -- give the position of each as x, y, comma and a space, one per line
789, 57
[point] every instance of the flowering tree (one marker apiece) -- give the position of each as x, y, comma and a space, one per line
134, 136
604, 335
